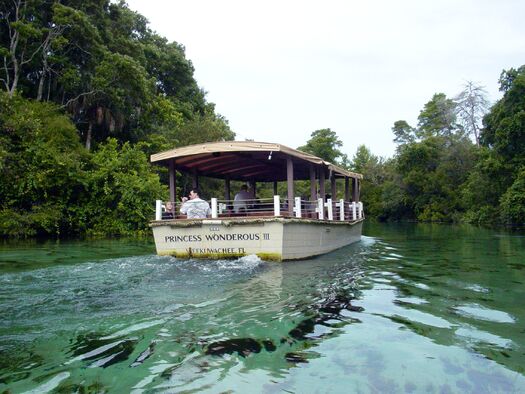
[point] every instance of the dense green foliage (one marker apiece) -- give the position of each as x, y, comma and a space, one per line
42, 167
499, 170
52, 185
89, 92
438, 174
102, 64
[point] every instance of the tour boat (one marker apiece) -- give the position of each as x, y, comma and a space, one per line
280, 228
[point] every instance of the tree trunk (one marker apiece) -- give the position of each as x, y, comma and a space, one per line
88, 136
46, 69
48, 88
16, 74
40, 87
13, 46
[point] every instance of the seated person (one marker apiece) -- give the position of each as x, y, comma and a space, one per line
168, 211
240, 203
194, 207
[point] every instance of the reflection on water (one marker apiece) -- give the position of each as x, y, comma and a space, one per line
411, 308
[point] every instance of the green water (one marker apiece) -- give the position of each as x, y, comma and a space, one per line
411, 308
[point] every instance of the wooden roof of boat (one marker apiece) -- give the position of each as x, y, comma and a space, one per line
247, 160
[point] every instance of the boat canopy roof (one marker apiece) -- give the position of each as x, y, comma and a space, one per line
247, 160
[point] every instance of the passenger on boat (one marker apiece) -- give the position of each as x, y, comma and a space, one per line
240, 201
195, 207
168, 212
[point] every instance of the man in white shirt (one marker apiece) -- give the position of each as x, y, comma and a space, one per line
241, 198
194, 207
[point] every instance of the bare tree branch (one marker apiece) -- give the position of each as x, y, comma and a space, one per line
78, 97
5, 83
472, 105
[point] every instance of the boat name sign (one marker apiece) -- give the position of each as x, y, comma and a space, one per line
217, 237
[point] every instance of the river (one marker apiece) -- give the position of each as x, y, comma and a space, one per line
410, 308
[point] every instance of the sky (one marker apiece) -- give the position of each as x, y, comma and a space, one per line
279, 70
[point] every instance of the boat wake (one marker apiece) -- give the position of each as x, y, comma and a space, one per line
241, 264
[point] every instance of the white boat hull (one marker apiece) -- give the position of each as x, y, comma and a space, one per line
275, 239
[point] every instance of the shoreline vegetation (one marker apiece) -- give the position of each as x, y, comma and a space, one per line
89, 91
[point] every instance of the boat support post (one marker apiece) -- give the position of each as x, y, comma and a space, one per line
289, 179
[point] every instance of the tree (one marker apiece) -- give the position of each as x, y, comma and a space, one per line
102, 63
471, 105
362, 159
124, 92
120, 186
494, 186
438, 118
21, 33
432, 173
513, 202
507, 78
173, 72
324, 143
74, 56
374, 175
404, 133
41, 162
207, 127
504, 129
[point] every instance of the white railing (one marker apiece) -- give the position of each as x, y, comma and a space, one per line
339, 210
276, 206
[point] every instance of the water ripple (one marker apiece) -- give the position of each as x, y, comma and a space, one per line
482, 313
410, 309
